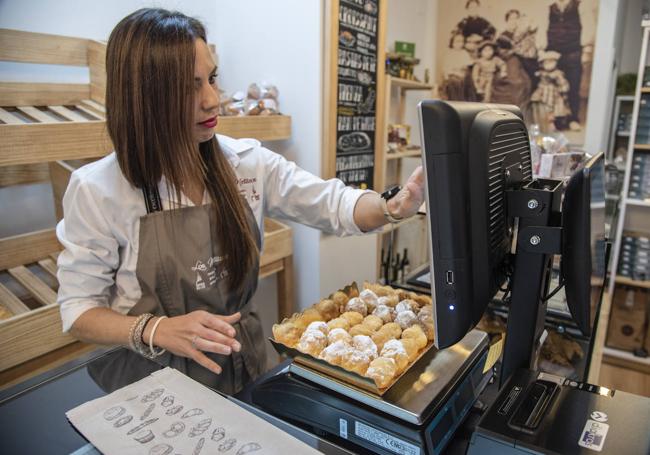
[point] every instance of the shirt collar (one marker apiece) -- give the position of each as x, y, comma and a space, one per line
233, 147
230, 147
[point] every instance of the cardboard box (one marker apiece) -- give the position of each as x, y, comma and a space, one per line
627, 325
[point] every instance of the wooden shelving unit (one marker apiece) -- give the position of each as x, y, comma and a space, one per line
619, 139
622, 370
407, 84
638, 202
626, 219
627, 357
390, 162
263, 128
630, 282
405, 153
402, 87
613, 367
43, 122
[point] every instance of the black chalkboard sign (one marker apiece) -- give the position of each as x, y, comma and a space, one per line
357, 91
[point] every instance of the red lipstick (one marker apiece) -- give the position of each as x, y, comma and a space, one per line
209, 123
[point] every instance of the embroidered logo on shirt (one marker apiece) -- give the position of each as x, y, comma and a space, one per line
208, 274
247, 189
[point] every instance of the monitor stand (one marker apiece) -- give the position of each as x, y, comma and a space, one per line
538, 236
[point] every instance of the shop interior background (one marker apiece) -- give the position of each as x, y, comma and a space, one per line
281, 41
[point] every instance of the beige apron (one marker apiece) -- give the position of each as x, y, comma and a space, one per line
180, 269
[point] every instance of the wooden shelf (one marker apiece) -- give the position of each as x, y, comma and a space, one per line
637, 202
627, 358
407, 84
57, 132
642, 146
406, 153
645, 90
263, 128
630, 282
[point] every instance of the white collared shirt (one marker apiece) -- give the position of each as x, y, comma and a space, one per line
100, 229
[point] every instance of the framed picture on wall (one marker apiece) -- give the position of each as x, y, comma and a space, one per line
537, 55
399, 136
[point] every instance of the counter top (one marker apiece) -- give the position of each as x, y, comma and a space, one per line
32, 414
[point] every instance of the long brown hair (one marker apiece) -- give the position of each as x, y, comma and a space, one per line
150, 114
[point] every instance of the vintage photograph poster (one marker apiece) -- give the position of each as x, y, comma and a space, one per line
535, 54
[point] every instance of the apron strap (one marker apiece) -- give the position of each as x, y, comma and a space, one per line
152, 199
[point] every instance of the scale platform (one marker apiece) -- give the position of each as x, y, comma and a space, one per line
415, 416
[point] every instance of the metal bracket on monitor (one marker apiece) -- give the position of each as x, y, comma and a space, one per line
537, 207
540, 239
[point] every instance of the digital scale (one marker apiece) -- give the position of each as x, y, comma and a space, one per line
417, 415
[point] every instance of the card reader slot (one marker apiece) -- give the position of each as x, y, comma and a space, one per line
536, 401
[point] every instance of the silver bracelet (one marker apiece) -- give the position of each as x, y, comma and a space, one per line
389, 216
140, 346
132, 332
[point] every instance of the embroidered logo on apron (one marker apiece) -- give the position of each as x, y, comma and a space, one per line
210, 273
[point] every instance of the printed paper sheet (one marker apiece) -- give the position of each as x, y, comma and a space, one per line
169, 413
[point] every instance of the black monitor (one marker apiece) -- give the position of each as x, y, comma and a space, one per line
493, 227
472, 153
578, 238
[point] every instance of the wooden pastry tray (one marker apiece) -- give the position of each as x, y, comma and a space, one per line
339, 373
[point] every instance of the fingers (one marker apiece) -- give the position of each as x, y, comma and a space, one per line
417, 176
217, 337
221, 323
415, 192
201, 344
206, 362
232, 319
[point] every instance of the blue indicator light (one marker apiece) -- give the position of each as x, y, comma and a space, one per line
452, 308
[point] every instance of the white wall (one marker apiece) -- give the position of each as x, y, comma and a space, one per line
414, 21
603, 80
84, 19
257, 40
632, 37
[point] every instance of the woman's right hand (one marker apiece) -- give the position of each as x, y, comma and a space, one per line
194, 333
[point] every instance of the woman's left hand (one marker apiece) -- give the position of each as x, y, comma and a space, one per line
409, 199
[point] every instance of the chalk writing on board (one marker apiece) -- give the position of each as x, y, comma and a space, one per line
356, 98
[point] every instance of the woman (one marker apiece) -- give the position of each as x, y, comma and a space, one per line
161, 249
516, 88
522, 35
473, 24
455, 68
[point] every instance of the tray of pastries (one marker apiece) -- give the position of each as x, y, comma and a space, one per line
368, 338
